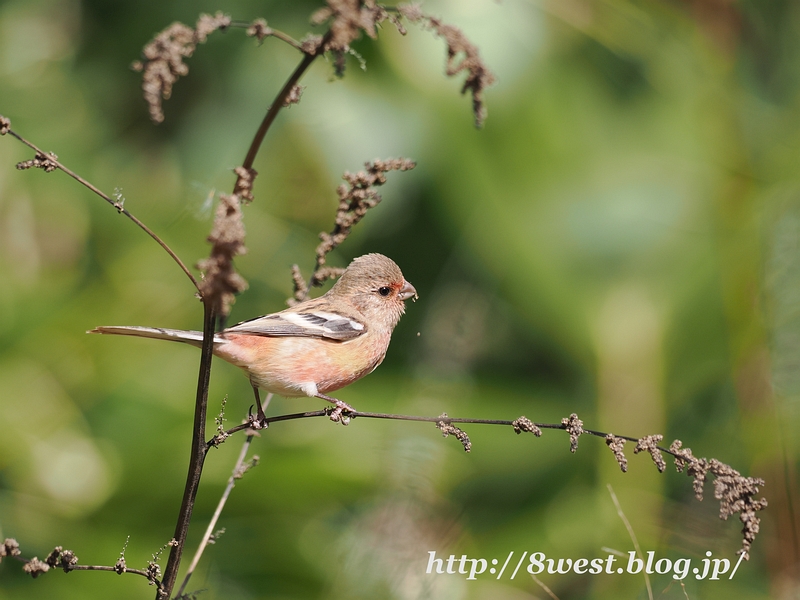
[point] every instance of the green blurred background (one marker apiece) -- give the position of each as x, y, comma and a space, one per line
621, 240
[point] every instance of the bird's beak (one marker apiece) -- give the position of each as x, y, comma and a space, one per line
407, 291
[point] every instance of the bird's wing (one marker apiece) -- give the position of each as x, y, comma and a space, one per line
312, 323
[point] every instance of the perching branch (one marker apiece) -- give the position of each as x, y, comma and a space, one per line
734, 491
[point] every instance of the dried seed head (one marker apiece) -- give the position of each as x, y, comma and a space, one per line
163, 58
462, 55
9, 547
48, 162
449, 429
356, 197
649, 443
259, 30
220, 281
574, 426
616, 445
35, 567
525, 424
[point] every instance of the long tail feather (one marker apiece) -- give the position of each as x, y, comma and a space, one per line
195, 338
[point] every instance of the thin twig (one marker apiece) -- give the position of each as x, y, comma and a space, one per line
284, 37
370, 415
546, 589
141, 572
112, 202
235, 474
632, 535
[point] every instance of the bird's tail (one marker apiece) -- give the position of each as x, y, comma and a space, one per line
195, 338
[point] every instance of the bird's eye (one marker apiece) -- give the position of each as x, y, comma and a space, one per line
385, 291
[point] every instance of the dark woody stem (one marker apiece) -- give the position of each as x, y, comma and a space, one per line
277, 105
197, 458
199, 446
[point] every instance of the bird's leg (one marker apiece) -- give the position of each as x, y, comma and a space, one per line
339, 407
261, 418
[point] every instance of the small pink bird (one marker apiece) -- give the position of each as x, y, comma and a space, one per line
317, 346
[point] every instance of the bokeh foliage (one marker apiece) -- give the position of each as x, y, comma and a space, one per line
620, 240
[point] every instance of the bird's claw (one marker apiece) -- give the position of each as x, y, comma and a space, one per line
258, 421
337, 414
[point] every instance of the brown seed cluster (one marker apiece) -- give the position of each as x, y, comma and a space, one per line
462, 55
649, 443
35, 567
734, 492
5, 125
525, 424
48, 162
348, 19
574, 427
356, 197
65, 559
259, 30
9, 547
163, 62
221, 282
616, 446
450, 429
294, 96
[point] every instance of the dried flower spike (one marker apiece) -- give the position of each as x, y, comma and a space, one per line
450, 429
348, 19
35, 567
695, 467
525, 424
574, 426
616, 445
9, 547
259, 30
355, 199
221, 282
649, 443
48, 162
479, 77
163, 58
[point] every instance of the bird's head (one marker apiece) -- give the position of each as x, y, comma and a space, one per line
375, 286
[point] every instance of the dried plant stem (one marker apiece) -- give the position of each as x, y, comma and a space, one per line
113, 203
278, 104
370, 415
197, 458
235, 474
276, 33
633, 537
734, 491
546, 589
141, 572
199, 446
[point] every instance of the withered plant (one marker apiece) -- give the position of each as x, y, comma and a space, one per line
162, 64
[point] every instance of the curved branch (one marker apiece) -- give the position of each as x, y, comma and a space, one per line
277, 104
118, 205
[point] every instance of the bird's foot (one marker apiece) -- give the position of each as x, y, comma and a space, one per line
338, 414
260, 420
257, 421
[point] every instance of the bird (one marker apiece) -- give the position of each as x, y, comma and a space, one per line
316, 346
